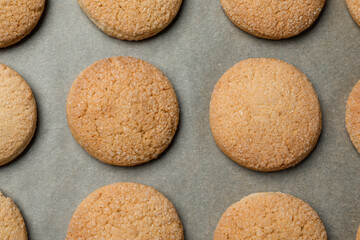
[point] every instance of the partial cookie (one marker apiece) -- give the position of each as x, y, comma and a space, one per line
270, 216
18, 114
131, 19
353, 116
125, 211
123, 111
273, 19
12, 225
358, 234
354, 9
17, 19
265, 114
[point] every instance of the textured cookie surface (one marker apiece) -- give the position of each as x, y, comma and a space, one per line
125, 211
17, 114
354, 9
273, 19
265, 114
123, 111
131, 19
353, 116
270, 216
17, 19
12, 226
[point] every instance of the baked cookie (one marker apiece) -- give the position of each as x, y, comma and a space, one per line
270, 216
131, 19
18, 114
125, 211
353, 115
354, 9
265, 114
17, 19
123, 111
12, 225
273, 19
358, 234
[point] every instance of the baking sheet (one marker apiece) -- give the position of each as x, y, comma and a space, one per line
54, 174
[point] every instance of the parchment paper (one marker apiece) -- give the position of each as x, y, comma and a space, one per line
55, 174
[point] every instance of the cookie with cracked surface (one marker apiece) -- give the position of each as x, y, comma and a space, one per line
353, 115
270, 216
123, 111
18, 19
131, 20
12, 225
273, 19
265, 114
125, 211
18, 114
354, 9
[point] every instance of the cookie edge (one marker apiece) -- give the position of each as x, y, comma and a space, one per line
18, 212
125, 36
33, 128
264, 36
26, 33
352, 14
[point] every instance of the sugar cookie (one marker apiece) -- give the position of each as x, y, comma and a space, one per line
273, 19
131, 19
123, 111
18, 114
265, 114
354, 9
18, 18
12, 225
125, 211
270, 216
353, 115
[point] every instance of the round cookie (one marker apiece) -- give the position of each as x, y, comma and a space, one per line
123, 111
12, 225
17, 19
265, 114
18, 114
273, 19
125, 211
354, 9
270, 216
352, 116
131, 19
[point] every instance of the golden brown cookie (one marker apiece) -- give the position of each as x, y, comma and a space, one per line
358, 234
131, 19
265, 114
12, 225
273, 19
125, 211
353, 115
17, 19
354, 9
18, 114
270, 216
123, 111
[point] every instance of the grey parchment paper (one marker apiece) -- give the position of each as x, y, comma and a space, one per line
54, 174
